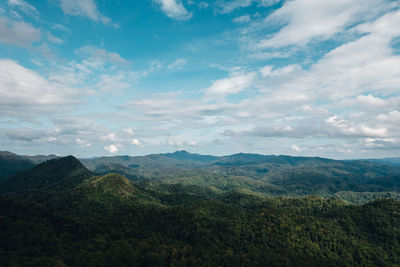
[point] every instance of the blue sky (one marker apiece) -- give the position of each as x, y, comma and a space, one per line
297, 77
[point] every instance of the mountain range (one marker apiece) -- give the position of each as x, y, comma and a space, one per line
268, 174
183, 209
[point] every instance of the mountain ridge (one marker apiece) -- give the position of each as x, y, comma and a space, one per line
11, 163
59, 173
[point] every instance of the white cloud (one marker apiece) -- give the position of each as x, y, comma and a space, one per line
391, 117
85, 8
53, 39
242, 19
82, 142
174, 9
357, 81
267, 3
232, 85
24, 7
229, 6
232, 5
304, 20
109, 137
348, 128
295, 148
370, 100
59, 27
113, 83
266, 71
177, 64
112, 149
136, 142
18, 32
129, 131
361, 66
24, 93
181, 144
100, 54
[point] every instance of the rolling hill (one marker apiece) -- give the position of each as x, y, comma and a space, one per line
272, 175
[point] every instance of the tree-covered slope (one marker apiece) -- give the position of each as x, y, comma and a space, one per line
273, 175
238, 229
11, 163
89, 220
56, 174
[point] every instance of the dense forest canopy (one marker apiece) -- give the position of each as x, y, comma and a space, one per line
181, 209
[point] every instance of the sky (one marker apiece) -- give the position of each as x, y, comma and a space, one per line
296, 77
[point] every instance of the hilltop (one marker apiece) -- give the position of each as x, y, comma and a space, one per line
55, 174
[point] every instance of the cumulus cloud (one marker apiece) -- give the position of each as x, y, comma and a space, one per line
349, 95
304, 20
112, 149
232, 85
85, 8
24, 93
350, 69
136, 142
345, 100
295, 148
18, 32
174, 9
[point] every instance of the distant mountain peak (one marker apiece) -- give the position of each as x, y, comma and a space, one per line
181, 152
185, 155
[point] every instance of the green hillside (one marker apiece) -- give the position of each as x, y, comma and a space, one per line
233, 229
11, 163
272, 175
58, 213
56, 174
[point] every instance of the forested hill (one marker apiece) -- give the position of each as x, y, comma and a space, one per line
60, 173
268, 174
11, 163
58, 213
357, 181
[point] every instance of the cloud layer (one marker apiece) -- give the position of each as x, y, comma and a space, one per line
274, 77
